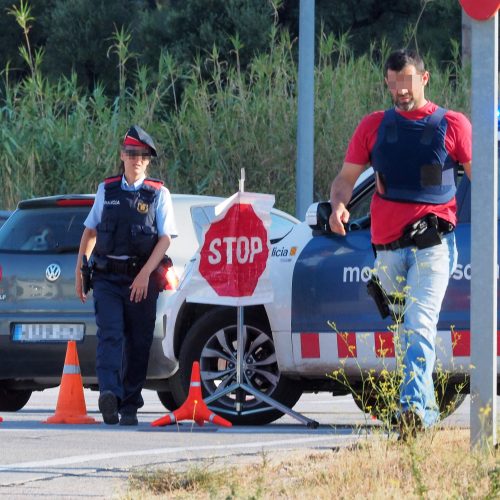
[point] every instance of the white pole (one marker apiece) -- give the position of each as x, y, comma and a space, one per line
304, 176
484, 219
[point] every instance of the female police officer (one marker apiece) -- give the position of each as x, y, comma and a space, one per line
128, 231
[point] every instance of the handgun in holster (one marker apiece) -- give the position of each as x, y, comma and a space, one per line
86, 275
375, 290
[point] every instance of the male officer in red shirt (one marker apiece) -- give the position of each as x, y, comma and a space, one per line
415, 149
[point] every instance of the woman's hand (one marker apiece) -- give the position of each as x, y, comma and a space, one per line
139, 287
79, 286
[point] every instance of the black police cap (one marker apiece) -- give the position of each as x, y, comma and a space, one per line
138, 134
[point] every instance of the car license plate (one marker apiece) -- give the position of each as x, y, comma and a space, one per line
47, 332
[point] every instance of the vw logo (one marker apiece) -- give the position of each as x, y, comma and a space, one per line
52, 272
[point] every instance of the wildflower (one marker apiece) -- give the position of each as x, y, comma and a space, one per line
485, 410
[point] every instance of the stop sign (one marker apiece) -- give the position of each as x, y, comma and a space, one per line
235, 251
481, 10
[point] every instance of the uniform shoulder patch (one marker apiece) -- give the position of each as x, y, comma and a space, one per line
110, 181
154, 183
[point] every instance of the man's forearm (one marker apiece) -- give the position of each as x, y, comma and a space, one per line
340, 192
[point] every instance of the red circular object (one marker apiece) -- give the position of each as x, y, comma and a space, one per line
235, 251
481, 10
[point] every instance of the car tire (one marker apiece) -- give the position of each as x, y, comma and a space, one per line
211, 340
13, 400
448, 402
167, 400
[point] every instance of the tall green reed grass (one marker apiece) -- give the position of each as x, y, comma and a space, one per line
58, 138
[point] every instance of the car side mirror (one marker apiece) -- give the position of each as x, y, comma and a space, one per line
317, 216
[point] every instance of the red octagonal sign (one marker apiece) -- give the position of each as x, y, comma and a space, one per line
235, 251
481, 10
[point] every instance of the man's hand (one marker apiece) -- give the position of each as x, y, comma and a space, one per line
339, 217
340, 194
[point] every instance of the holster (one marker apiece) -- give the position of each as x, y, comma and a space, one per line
375, 290
160, 273
86, 275
424, 232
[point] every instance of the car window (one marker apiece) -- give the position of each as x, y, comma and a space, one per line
201, 217
43, 230
361, 207
280, 226
4, 215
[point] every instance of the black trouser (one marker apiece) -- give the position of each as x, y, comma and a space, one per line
124, 337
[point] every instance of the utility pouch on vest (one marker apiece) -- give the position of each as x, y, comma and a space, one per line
86, 275
424, 232
374, 289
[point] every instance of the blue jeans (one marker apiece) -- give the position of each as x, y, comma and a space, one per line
421, 277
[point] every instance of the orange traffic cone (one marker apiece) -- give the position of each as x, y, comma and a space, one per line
194, 408
71, 407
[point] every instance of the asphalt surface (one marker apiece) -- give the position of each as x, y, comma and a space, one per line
59, 461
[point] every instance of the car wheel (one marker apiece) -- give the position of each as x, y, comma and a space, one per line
373, 402
12, 400
212, 341
167, 400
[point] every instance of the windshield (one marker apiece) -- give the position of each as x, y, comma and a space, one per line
43, 230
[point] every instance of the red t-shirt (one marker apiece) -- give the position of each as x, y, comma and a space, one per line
389, 218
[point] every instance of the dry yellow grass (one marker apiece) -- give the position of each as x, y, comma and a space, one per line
438, 464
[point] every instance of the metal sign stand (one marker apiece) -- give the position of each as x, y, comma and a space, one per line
240, 387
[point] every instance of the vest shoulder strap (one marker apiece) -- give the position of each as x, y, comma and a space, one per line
432, 125
391, 129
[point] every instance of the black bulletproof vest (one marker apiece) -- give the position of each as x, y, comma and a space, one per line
128, 223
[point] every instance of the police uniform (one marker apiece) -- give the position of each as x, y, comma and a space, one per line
128, 220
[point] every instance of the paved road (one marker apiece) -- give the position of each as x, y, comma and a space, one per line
94, 461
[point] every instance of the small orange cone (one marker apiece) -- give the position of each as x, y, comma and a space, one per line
71, 407
194, 408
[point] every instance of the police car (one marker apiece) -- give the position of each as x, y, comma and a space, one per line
39, 310
321, 319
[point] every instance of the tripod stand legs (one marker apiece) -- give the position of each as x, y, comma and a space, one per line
240, 388
272, 403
